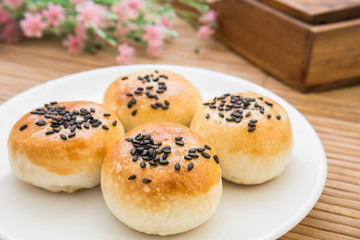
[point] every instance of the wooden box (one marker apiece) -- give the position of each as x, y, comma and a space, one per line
309, 44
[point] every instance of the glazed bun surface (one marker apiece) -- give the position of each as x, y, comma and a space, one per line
159, 194
152, 96
251, 133
54, 148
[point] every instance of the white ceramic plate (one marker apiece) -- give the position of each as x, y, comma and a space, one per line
266, 211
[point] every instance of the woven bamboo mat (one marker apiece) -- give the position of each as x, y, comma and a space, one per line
334, 114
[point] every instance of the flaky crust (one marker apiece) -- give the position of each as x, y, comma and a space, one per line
84, 152
166, 182
270, 141
183, 96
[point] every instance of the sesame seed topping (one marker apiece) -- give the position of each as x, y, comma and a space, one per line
153, 106
190, 166
146, 180
124, 78
105, 127
132, 177
247, 114
200, 149
192, 150
178, 138
207, 116
63, 136
166, 102
193, 155
204, 154
251, 129
50, 132
40, 123
114, 123
142, 164
216, 158
207, 147
163, 162
269, 115
187, 157
23, 127
92, 110
177, 166
107, 114
134, 112
180, 143
278, 117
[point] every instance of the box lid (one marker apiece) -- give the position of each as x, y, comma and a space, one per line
318, 11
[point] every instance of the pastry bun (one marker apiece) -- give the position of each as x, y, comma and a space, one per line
162, 178
152, 96
251, 133
61, 146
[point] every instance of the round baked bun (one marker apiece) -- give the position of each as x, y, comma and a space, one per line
149, 185
251, 133
153, 96
61, 146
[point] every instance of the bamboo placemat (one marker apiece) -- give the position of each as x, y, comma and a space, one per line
334, 114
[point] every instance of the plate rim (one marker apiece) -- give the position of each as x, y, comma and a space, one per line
281, 229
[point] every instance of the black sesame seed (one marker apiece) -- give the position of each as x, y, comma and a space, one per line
138, 135
253, 120
86, 126
63, 136
107, 114
190, 166
166, 102
159, 104
133, 151
142, 164
72, 135
163, 162
132, 177
251, 129
50, 132
216, 158
250, 124
105, 127
207, 116
23, 127
96, 124
130, 103
187, 157
204, 154
229, 119
269, 115
153, 106
247, 114
221, 115
166, 150
194, 155
134, 112
146, 180
200, 149
72, 129
192, 150
124, 78
146, 158
129, 139
135, 158
278, 117
53, 103
261, 98
40, 123
206, 103
152, 163
165, 107
177, 166
207, 146
180, 143
92, 110
178, 138
129, 94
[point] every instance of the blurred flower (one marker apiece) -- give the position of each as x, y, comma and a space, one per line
74, 44
54, 14
90, 13
32, 25
4, 16
165, 21
80, 31
119, 11
14, 4
77, 1
11, 32
208, 17
132, 8
204, 32
123, 30
154, 35
126, 54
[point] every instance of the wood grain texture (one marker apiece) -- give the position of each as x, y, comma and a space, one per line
318, 11
335, 115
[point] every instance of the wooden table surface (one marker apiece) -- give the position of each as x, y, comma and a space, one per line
334, 114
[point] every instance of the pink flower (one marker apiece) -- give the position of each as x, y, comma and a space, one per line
11, 32
154, 35
120, 12
204, 32
55, 14
132, 8
122, 31
4, 16
90, 13
77, 1
80, 31
126, 54
32, 26
165, 21
14, 4
74, 44
208, 17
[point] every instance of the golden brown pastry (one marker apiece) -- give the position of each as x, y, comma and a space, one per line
161, 178
251, 133
61, 146
153, 96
